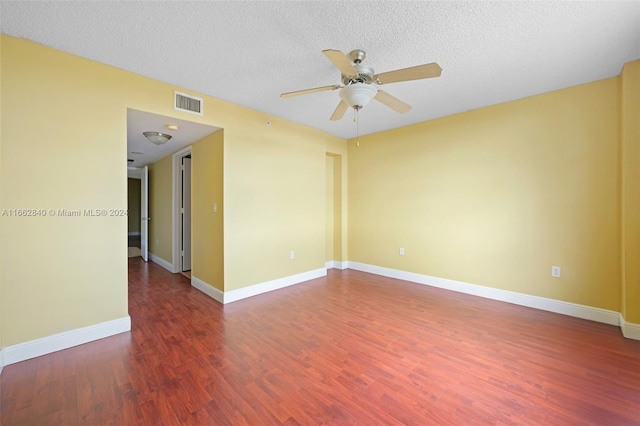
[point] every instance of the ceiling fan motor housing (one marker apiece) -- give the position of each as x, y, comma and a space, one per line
365, 75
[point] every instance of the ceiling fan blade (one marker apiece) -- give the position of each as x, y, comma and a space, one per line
307, 91
341, 62
392, 102
340, 110
406, 74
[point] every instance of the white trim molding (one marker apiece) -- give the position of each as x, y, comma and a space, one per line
335, 264
207, 289
134, 173
629, 329
254, 290
542, 303
1, 360
160, 261
65, 340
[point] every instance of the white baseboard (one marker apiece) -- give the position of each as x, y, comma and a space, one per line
551, 305
207, 289
160, 261
629, 329
65, 340
254, 290
1, 360
340, 265
133, 234
335, 264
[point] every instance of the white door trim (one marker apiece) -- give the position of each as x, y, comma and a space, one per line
176, 202
185, 264
144, 214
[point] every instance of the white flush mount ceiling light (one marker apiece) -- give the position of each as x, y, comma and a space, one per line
157, 137
357, 95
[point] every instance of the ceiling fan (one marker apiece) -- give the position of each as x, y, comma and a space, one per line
359, 82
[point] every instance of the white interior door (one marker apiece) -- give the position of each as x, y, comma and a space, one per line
186, 214
144, 214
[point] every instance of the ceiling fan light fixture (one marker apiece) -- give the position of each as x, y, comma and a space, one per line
157, 137
358, 94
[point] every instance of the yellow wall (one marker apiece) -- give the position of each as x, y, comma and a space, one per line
133, 204
207, 226
497, 196
1, 205
492, 197
337, 149
329, 210
274, 202
630, 180
68, 116
339, 223
160, 209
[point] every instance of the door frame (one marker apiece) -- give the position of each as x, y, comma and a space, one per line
144, 214
176, 202
185, 217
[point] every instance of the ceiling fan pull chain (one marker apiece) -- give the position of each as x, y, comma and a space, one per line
355, 118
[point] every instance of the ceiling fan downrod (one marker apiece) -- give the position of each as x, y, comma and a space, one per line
357, 56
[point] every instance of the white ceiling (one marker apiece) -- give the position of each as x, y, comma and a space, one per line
144, 152
250, 52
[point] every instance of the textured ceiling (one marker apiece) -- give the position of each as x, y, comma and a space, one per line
250, 52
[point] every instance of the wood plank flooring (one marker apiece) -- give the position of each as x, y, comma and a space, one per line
351, 348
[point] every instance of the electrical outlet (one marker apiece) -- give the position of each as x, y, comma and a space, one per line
292, 255
215, 207
401, 251
555, 271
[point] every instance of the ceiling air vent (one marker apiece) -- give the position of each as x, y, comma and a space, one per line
187, 103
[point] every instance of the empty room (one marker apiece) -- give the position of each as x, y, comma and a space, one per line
343, 213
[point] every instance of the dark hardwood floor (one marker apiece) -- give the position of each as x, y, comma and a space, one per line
351, 348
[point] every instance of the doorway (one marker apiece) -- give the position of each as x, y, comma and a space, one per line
182, 211
136, 202
163, 163
133, 217
185, 217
